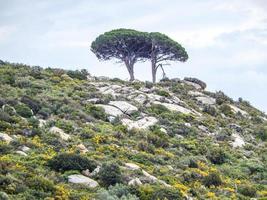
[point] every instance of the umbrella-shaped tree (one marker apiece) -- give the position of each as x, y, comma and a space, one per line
163, 49
125, 45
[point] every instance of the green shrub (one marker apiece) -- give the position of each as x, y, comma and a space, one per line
210, 110
110, 174
212, 179
158, 192
69, 161
96, 112
23, 110
217, 155
158, 109
81, 75
261, 132
247, 190
162, 93
40, 184
226, 109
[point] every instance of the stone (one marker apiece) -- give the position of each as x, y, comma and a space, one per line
206, 100
143, 123
132, 166
21, 153
60, 133
83, 180
196, 81
175, 107
236, 127
150, 177
5, 137
238, 110
111, 110
42, 123
135, 182
25, 148
195, 93
238, 141
96, 171
203, 128
140, 98
124, 106
93, 100
82, 148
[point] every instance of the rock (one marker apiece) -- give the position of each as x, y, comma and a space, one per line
111, 110
96, 171
25, 148
21, 153
163, 130
206, 100
143, 123
42, 123
94, 100
236, 127
195, 93
132, 166
135, 182
198, 84
82, 148
238, 141
124, 106
238, 110
102, 78
86, 172
5, 137
60, 133
203, 128
175, 107
80, 179
149, 177
140, 98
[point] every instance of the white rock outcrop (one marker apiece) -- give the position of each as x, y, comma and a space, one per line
238, 141
135, 182
80, 179
206, 100
175, 107
238, 110
132, 166
60, 133
143, 123
5, 137
111, 110
124, 106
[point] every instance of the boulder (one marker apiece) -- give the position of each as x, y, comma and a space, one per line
175, 107
21, 153
206, 100
198, 84
143, 123
140, 98
60, 133
238, 141
83, 180
124, 106
111, 110
82, 148
25, 148
42, 123
132, 166
238, 110
5, 137
135, 182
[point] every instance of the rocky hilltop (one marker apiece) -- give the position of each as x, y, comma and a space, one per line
69, 135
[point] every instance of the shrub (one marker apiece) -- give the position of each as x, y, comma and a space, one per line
110, 174
247, 190
81, 75
40, 184
225, 109
210, 110
33, 104
158, 109
23, 110
69, 161
148, 192
222, 98
217, 155
162, 93
261, 132
197, 81
96, 112
148, 84
212, 179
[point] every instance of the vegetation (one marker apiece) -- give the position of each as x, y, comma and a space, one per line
52, 127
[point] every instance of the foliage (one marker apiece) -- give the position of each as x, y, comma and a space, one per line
69, 161
110, 174
23, 110
212, 179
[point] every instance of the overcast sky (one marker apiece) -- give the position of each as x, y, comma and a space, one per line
226, 40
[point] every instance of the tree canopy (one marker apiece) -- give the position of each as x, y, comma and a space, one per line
130, 46
125, 45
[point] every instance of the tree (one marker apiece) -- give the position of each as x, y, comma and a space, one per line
125, 45
163, 49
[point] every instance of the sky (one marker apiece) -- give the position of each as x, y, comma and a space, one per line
226, 40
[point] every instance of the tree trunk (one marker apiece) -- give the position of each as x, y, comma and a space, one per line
154, 70
129, 66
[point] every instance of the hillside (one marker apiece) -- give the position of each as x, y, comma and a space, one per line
69, 135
